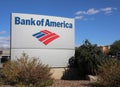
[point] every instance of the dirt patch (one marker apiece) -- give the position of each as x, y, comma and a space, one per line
71, 83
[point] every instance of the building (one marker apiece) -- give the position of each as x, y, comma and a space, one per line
105, 49
4, 55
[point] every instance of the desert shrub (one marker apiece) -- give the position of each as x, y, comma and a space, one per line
26, 71
109, 74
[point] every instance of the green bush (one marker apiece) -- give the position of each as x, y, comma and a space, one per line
115, 48
109, 73
87, 58
27, 72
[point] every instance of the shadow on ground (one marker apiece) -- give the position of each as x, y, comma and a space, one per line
72, 74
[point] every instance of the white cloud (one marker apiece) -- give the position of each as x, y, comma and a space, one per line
79, 17
108, 10
4, 46
92, 11
80, 12
4, 38
4, 42
2, 32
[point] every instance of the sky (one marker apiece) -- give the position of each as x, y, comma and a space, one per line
95, 20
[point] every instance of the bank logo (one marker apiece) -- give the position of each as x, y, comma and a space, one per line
46, 36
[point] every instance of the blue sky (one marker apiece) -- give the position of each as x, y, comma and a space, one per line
95, 20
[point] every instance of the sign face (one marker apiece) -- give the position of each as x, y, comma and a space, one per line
44, 37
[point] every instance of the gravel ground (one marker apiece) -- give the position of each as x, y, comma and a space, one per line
66, 83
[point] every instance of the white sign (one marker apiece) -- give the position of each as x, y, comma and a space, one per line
47, 37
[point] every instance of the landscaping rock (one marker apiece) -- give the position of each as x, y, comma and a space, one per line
92, 78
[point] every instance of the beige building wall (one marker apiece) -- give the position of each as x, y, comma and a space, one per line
6, 52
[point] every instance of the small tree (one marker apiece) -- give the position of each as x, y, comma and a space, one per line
88, 57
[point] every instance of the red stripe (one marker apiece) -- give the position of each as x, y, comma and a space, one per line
46, 36
50, 39
46, 31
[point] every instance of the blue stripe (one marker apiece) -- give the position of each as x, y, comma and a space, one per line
37, 34
40, 35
